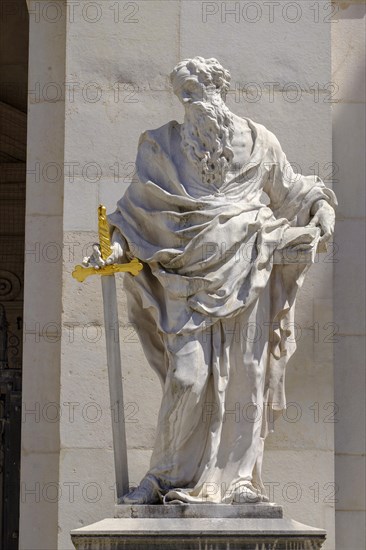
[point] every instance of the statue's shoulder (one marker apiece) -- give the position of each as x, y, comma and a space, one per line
266, 137
159, 137
261, 131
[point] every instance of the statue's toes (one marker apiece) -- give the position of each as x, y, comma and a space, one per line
248, 495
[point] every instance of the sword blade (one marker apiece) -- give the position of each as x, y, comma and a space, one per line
115, 383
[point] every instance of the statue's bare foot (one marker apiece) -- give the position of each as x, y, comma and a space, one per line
146, 493
248, 495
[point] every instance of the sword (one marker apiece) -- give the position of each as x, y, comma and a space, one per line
110, 307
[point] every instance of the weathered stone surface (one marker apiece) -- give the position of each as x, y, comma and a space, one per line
260, 510
193, 533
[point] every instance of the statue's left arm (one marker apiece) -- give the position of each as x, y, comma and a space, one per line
303, 200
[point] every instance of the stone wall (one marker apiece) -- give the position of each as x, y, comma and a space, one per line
348, 72
43, 285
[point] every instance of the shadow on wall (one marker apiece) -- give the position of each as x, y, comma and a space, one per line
349, 271
350, 9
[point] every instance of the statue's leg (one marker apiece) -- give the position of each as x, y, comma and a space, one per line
150, 338
234, 445
182, 427
249, 361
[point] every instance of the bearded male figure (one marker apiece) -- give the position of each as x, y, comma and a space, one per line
214, 199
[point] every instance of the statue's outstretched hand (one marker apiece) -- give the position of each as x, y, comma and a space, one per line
96, 260
323, 217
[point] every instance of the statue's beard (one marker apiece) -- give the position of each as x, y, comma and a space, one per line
206, 135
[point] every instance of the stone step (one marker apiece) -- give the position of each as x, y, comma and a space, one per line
199, 511
198, 534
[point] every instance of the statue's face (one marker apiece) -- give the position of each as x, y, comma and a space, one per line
190, 89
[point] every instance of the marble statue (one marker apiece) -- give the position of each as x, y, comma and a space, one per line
213, 202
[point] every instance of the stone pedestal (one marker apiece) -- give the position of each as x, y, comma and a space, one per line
198, 527
268, 511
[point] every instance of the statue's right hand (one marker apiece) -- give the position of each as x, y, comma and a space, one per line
117, 254
96, 260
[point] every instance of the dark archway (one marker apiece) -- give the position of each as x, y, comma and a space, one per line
14, 32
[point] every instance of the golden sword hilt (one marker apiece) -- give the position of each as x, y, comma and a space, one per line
134, 267
103, 230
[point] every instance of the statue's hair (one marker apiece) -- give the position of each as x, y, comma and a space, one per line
208, 71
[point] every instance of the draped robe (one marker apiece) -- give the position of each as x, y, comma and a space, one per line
212, 310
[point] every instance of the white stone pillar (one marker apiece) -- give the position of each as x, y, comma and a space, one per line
349, 144
43, 277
